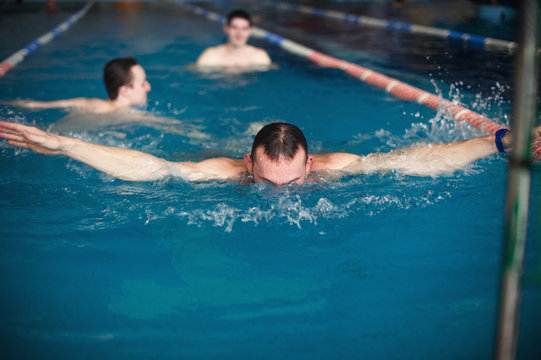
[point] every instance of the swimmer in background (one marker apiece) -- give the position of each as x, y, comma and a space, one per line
279, 156
236, 53
126, 84
127, 87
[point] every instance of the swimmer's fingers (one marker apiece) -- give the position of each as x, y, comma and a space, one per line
19, 140
10, 103
536, 141
39, 139
7, 127
11, 135
20, 103
537, 135
29, 137
33, 147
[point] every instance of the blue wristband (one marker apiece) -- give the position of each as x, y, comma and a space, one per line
499, 134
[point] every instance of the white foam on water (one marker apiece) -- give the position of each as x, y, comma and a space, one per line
308, 207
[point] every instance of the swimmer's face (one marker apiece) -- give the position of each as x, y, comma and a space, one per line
137, 91
281, 171
238, 31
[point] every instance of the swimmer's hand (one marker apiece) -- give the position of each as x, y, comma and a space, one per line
34, 104
20, 103
29, 137
91, 105
537, 143
507, 141
121, 163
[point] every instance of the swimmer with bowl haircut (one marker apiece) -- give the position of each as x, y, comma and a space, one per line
279, 156
235, 53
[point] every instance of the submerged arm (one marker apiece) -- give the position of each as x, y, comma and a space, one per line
121, 163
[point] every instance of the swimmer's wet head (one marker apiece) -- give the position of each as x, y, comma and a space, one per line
279, 155
238, 28
124, 76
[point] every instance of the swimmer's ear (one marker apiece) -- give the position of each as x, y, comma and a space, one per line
122, 90
248, 162
309, 163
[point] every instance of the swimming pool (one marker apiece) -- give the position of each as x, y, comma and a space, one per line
379, 266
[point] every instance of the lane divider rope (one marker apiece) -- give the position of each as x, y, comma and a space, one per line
392, 86
469, 39
19, 55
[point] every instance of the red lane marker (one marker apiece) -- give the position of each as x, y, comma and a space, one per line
4, 67
410, 93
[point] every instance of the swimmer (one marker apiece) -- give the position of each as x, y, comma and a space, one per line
236, 53
126, 84
279, 156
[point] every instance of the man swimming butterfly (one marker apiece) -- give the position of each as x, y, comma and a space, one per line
279, 156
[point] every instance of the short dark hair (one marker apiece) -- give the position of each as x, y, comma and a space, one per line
238, 13
116, 73
280, 140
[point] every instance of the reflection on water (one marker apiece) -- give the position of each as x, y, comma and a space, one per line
76, 122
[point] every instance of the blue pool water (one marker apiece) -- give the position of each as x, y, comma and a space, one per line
379, 266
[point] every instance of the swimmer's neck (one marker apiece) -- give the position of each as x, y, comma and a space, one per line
118, 105
232, 48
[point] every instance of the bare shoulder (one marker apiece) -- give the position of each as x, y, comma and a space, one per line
95, 105
81, 102
259, 56
333, 161
88, 105
210, 56
216, 168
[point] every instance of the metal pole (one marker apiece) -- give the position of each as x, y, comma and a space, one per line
519, 181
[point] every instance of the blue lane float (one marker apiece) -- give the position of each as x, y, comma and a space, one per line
19, 55
472, 40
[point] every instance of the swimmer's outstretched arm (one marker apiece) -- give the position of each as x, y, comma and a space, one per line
66, 103
432, 159
422, 160
121, 163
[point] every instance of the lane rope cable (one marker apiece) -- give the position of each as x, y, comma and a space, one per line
472, 40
